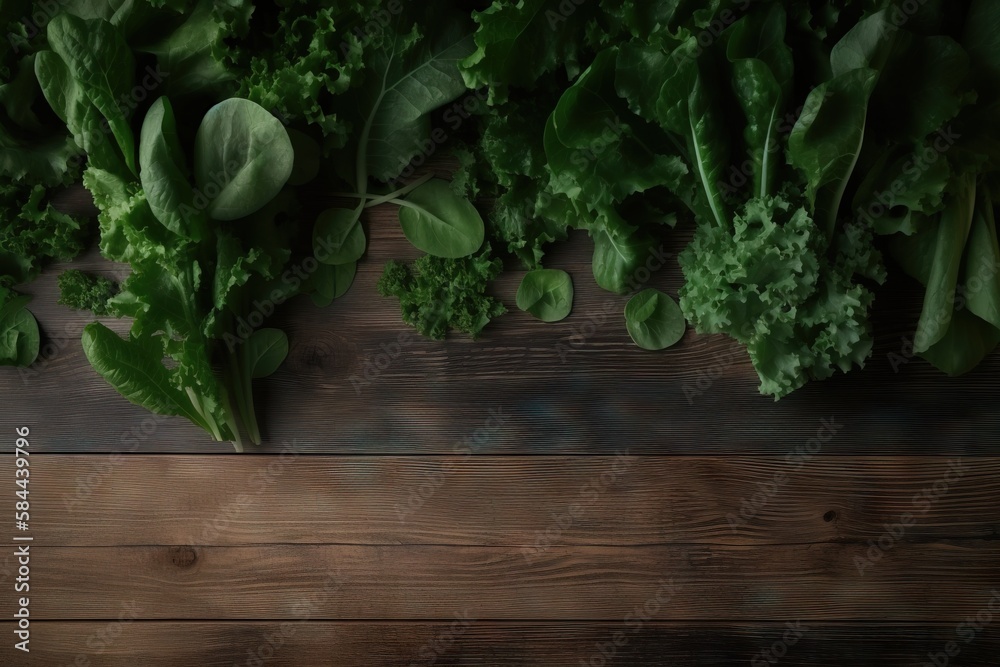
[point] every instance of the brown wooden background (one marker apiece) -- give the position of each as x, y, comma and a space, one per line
179, 552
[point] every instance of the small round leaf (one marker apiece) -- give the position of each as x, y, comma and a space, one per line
547, 294
654, 320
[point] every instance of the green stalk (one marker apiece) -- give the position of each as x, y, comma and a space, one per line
376, 200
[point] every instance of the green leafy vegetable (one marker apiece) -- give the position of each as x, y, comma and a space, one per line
437, 294
19, 337
547, 294
339, 234
242, 158
441, 223
83, 291
101, 62
654, 320
33, 232
164, 174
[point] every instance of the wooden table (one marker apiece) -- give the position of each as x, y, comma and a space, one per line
547, 495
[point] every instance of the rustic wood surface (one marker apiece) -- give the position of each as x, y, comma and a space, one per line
513, 500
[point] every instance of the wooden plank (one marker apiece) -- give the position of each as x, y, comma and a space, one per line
550, 644
819, 582
504, 501
565, 393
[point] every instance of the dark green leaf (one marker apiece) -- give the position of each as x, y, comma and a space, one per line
439, 222
547, 294
654, 320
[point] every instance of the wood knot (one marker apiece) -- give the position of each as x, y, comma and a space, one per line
829, 516
315, 354
183, 556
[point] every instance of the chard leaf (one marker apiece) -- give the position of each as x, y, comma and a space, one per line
439, 222
70, 102
964, 345
639, 76
868, 45
982, 41
547, 294
709, 147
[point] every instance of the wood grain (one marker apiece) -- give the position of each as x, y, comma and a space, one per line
935, 582
491, 643
505, 501
575, 387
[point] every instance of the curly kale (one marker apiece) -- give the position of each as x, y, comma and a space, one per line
32, 232
438, 294
769, 284
83, 291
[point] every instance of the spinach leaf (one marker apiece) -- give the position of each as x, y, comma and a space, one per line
19, 336
328, 283
260, 356
654, 320
620, 250
338, 237
163, 174
439, 222
547, 294
265, 351
762, 78
242, 158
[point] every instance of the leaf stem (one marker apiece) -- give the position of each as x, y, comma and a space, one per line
376, 200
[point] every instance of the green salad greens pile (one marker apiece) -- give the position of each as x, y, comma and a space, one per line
817, 150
